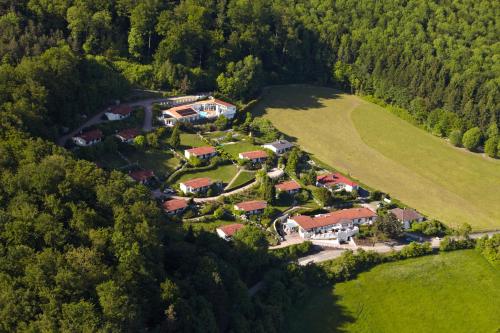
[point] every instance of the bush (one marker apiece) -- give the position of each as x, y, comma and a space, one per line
293, 252
472, 138
451, 244
456, 138
430, 228
490, 147
415, 250
490, 248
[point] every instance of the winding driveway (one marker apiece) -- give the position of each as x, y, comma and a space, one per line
147, 104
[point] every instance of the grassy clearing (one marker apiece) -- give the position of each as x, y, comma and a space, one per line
387, 153
243, 178
223, 173
206, 226
162, 162
240, 147
450, 292
189, 140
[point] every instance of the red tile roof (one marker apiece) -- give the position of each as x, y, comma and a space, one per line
251, 205
231, 229
252, 155
218, 101
182, 111
129, 133
308, 222
90, 135
121, 109
141, 175
201, 150
198, 182
174, 204
288, 186
332, 179
213, 100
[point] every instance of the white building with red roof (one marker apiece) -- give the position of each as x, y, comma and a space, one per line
183, 113
196, 185
252, 207
128, 135
336, 182
200, 152
290, 187
227, 232
256, 156
214, 108
118, 112
88, 138
142, 176
340, 224
174, 206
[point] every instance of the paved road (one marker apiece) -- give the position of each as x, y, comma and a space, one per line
329, 254
97, 119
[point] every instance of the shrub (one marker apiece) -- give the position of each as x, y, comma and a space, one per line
415, 250
472, 138
294, 251
430, 228
490, 147
451, 244
490, 248
456, 138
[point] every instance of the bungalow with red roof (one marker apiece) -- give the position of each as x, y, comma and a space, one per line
252, 207
200, 152
291, 187
118, 112
142, 176
256, 156
279, 147
183, 113
227, 232
128, 135
340, 224
336, 182
174, 206
88, 138
196, 185
407, 216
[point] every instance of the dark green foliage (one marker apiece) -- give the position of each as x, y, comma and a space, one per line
389, 225
430, 228
456, 138
472, 138
451, 244
490, 248
175, 137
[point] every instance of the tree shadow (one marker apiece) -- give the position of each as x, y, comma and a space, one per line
321, 312
299, 97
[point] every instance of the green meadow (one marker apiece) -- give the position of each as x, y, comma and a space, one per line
455, 292
387, 153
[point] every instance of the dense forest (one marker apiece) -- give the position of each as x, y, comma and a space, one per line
82, 249
64, 58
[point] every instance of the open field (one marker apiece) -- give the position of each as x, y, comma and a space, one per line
387, 153
243, 178
189, 140
239, 147
162, 162
450, 292
223, 173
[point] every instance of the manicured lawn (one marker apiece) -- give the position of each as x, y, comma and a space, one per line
223, 173
189, 140
387, 153
451, 292
243, 178
162, 162
240, 147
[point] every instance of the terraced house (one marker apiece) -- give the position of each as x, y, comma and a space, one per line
340, 225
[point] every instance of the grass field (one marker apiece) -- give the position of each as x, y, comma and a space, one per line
387, 153
223, 173
206, 226
243, 178
240, 147
189, 140
451, 292
161, 162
